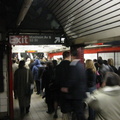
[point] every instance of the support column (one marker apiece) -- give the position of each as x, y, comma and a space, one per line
10, 82
1, 70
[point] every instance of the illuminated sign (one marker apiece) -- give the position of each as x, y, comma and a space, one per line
31, 51
35, 40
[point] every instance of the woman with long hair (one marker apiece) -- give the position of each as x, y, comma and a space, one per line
91, 82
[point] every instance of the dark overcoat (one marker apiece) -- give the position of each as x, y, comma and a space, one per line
20, 85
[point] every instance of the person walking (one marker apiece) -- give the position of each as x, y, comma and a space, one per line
23, 85
106, 100
76, 86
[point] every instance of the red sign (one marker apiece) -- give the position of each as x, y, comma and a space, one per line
19, 40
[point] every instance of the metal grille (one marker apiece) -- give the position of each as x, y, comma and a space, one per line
85, 17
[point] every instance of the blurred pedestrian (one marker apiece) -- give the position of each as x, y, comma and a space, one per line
106, 101
14, 68
23, 85
48, 76
61, 79
76, 86
111, 63
91, 82
35, 72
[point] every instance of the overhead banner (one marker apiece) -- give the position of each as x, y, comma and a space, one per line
35, 40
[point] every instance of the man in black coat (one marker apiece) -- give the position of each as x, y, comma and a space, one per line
61, 77
76, 86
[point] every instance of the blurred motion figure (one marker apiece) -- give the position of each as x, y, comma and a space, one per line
23, 85
106, 101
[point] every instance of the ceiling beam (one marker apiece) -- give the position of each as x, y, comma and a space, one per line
25, 7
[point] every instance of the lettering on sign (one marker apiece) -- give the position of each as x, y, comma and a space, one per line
35, 40
19, 40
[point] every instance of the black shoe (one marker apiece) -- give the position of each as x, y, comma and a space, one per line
27, 109
49, 112
27, 112
15, 97
43, 96
55, 116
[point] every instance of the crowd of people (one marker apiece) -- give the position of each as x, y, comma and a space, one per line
70, 85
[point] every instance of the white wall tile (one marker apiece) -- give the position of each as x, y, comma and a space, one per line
3, 102
3, 108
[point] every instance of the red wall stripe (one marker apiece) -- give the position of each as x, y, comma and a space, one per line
90, 51
54, 54
106, 49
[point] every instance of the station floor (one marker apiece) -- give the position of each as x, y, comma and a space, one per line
37, 110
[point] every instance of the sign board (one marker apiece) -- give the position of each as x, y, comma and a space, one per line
35, 40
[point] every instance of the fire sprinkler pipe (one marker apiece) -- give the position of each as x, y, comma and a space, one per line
25, 7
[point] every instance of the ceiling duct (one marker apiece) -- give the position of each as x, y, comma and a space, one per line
25, 7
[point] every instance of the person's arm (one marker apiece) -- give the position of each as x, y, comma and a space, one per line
64, 89
92, 101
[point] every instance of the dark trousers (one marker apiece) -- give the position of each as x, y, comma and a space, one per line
78, 110
24, 110
65, 105
38, 86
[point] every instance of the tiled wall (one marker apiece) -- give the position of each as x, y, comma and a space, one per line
106, 56
117, 60
114, 55
3, 96
90, 56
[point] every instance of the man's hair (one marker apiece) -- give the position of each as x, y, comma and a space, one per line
112, 79
74, 53
21, 64
66, 54
100, 61
13, 61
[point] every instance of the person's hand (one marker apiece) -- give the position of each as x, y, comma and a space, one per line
64, 89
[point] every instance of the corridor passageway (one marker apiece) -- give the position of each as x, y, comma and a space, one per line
37, 111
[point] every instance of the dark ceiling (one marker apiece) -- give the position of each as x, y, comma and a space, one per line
79, 21
37, 18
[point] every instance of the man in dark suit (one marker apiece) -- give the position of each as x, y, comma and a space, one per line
76, 86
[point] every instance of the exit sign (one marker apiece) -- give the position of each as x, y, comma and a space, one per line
35, 40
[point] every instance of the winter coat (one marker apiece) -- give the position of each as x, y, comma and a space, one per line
35, 70
20, 85
106, 103
61, 79
91, 78
103, 69
48, 78
62, 73
77, 80
14, 68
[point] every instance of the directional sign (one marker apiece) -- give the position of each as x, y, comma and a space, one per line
35, 40
57, 40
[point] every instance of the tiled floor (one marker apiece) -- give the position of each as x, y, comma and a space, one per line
37, 111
